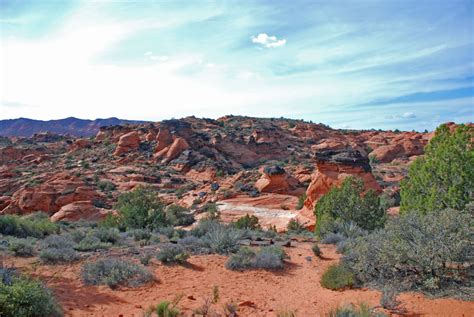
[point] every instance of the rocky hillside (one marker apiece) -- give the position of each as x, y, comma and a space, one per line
260, 165
23, 127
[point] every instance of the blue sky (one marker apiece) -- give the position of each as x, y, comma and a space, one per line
350, 64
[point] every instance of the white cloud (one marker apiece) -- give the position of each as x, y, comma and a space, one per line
408, 115
268, 41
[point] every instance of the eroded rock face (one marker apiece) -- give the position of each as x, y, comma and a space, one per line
50, 196
275, 180
333, 167
172, 151
403, 146
127, 142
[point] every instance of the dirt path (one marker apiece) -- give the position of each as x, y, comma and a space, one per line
260, 293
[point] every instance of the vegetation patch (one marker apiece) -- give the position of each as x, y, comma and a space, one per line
115, 272
337, 277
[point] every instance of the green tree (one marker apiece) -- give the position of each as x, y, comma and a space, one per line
444, 176
349, 204
141, 208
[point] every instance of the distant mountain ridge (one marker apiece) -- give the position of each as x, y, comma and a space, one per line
24, 127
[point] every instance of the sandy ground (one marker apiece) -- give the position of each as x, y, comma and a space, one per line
258, 293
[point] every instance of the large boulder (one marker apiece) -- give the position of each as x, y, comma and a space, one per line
275, 180
79, 210
172, 151
127, 142
333, 167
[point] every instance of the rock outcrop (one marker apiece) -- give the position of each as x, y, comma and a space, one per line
403, 146
127, 142
274, 179
333, 167
79, 210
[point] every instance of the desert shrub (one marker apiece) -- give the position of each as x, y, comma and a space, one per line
166, 309
140, 234
247, 222
194, 245
177, 215
295, 226
389, 298
114, 272
230, 308
57, 249
444, 176
316, 250
145, 259
22, 247
416, 252
106, 235
91, 243
106, 186
348, 203
353, 311
271, 257
243, 259
204, 226
213, 212
23, 227
141, 208
301, 200
172, 253
337, 276
26, 297
222, 239
332, 238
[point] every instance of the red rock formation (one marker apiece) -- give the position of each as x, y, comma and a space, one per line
80, 144
332, 168
79, 210
127, 142
172, 151
402, 146
275, 180
163, 139
50, 196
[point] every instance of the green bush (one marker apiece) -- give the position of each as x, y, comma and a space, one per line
22, 247
58, 249
336, 277
106, 235
348, 203
114, 272
212, 211
106, 186
22, 227
177, 215
25, 297
416, 252
295, 226
172, 253
444, 176
141, 208
247, 222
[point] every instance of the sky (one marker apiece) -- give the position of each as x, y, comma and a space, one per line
350, 64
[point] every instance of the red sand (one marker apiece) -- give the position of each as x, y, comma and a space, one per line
260, 293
